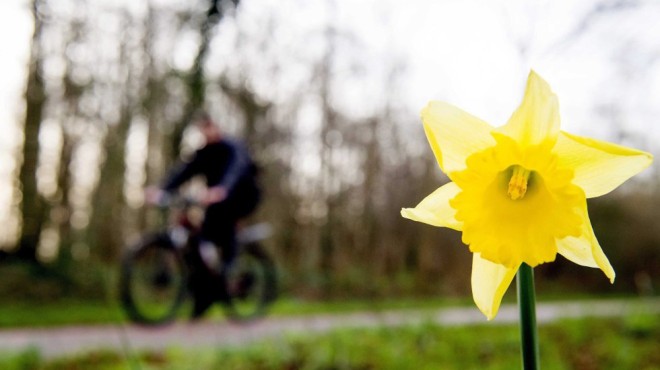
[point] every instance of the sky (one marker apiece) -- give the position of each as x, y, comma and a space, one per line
15, 28
477, 54
464, 52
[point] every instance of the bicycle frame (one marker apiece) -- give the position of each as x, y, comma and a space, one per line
184, 229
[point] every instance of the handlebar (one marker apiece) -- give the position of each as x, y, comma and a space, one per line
183, 203
162, 198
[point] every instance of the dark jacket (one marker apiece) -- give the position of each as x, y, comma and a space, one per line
226, 163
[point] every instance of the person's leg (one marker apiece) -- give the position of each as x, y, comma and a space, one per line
246, 201
204, 291
219, 228
213, 235
243, 202
221, 219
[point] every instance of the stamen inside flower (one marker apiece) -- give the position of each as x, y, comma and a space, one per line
518, 182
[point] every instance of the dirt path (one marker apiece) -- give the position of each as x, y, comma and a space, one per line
64, 341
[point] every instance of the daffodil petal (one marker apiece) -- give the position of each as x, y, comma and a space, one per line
599, 167
585, 249
489, 283
536, 120
435, 209
454, 134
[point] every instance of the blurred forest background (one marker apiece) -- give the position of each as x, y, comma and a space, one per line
111, 88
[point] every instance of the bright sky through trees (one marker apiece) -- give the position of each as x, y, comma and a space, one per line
466, 52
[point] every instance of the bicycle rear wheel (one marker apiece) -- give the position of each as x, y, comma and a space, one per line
251, 284
152, 281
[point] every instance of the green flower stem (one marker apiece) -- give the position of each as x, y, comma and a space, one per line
526, 302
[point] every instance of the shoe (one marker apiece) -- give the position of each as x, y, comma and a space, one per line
200, 307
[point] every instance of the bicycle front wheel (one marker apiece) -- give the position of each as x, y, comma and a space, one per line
251, 284
152, 281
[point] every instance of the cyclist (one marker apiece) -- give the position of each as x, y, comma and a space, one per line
232, 193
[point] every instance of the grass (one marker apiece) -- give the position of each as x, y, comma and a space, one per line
626, 343
20, 313
58, 313
79, 312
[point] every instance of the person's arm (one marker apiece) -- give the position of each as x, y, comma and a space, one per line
181, 174
239, 163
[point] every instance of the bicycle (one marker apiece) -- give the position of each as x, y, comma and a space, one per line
160, 272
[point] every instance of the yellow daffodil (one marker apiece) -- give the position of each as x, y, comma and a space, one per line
518, 192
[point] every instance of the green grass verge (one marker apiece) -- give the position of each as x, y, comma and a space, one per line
80, 312
58, 313
76, 312
627, 343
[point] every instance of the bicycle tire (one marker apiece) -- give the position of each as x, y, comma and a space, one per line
151, 271
250, 302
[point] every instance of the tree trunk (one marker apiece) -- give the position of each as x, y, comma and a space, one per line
32, 205
64, 209
196, 82
108, 220
106, 225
